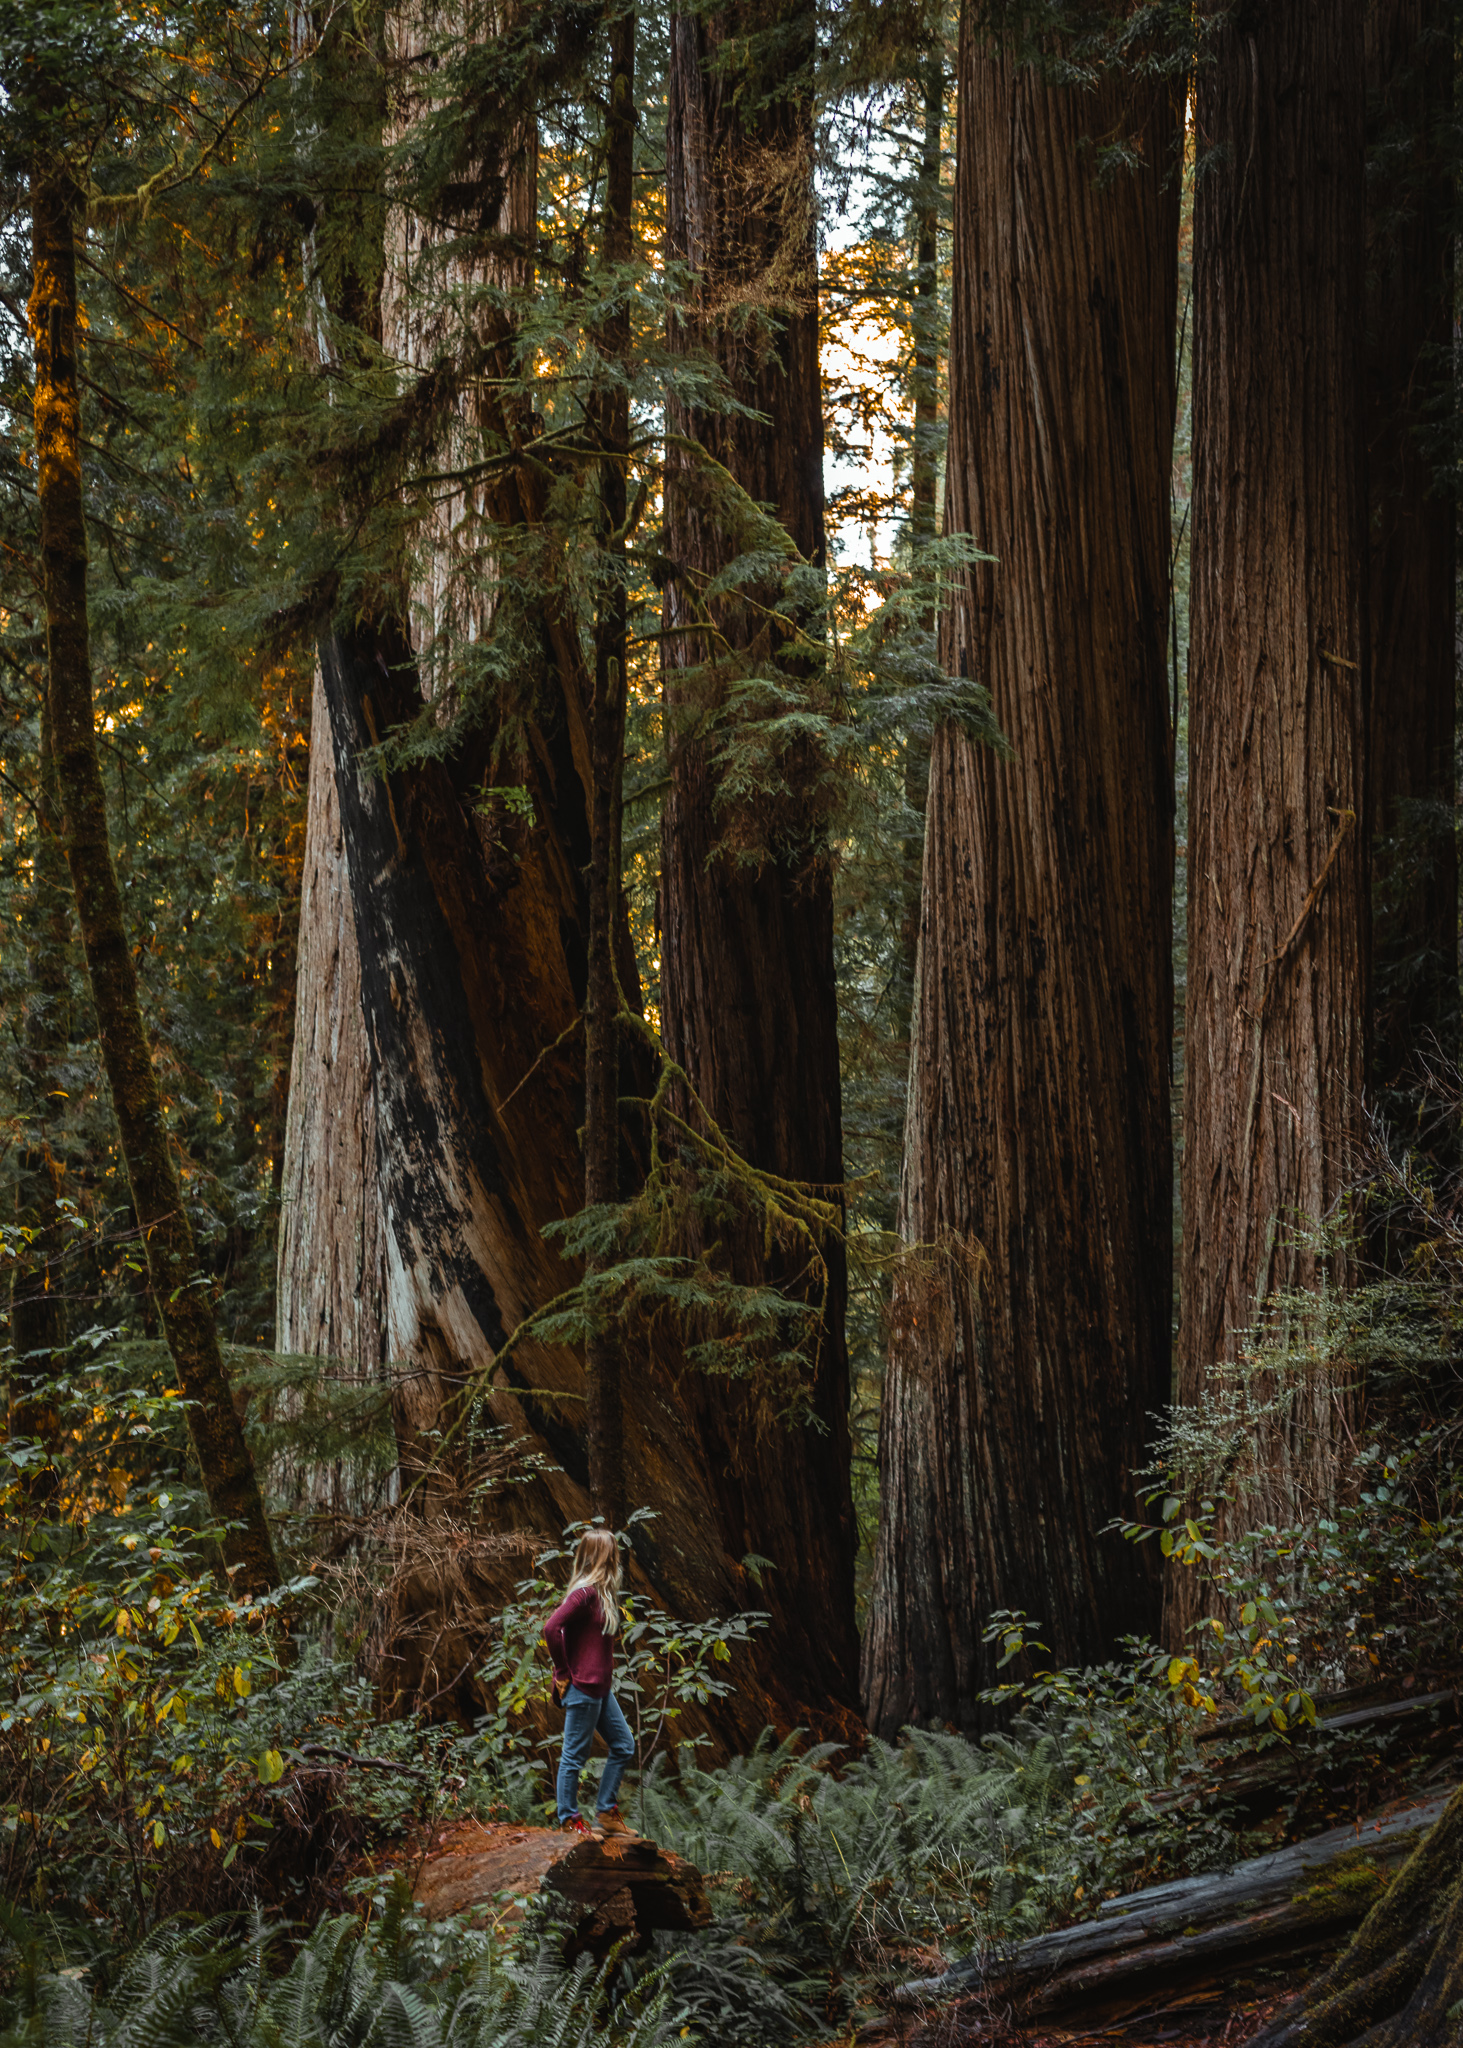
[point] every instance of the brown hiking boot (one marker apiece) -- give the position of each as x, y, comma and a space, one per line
611, 1824
575, 1826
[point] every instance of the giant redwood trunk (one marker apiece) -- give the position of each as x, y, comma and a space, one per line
180, 1291
1030, 1323
439, 1088
749, 1002
1413, 539
1275, 1057
610, 413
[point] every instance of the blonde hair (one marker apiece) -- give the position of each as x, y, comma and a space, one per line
597, 1564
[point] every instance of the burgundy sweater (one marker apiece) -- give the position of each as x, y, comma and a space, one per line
582, 1653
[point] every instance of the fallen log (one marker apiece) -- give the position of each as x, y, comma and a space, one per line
1341, 1711
611, 1891
1290, 1899
1425, 1724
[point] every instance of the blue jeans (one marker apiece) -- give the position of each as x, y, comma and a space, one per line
582, 1715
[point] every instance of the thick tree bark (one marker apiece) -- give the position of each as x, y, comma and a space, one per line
749, 1006
1030, 1323
924, 477
472, 930
179, 1290
331, 1268
472, 967
332, 1257
1275, 1044
1413, 539
607, 775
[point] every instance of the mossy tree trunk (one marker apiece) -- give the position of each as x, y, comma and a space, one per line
179, 1290
1399, 1981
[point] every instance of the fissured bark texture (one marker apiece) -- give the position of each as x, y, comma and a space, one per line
1275, 1057
1030, 1326
455, 998
749, 998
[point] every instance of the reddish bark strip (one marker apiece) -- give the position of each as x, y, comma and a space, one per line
1030, 1337
1277, 1008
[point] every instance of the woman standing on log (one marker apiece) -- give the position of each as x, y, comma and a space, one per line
581, 1635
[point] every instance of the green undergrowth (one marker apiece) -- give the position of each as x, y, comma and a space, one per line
352, 1984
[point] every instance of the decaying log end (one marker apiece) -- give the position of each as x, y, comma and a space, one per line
628, 1889
614, 1891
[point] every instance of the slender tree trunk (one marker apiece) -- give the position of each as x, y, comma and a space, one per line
1413, 539
1275, 1042
749, 997
37, 1312
607, 774
179, 1289
1030, 1322
924, 475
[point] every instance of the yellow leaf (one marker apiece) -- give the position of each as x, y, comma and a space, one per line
216, 1838
159, 1834
241, 1682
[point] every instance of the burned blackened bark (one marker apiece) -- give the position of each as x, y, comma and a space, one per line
1030, 1323
1413, 539
749, 1006
179, 1289
471, 968
471, 923
1275, 1036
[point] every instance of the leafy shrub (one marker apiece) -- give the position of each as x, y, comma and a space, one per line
149, 1720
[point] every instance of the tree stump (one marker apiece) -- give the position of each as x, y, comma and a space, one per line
612, 1891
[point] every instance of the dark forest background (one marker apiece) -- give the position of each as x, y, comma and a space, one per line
728, 782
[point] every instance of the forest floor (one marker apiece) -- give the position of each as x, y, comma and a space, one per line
1218, 2015
489, 1869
